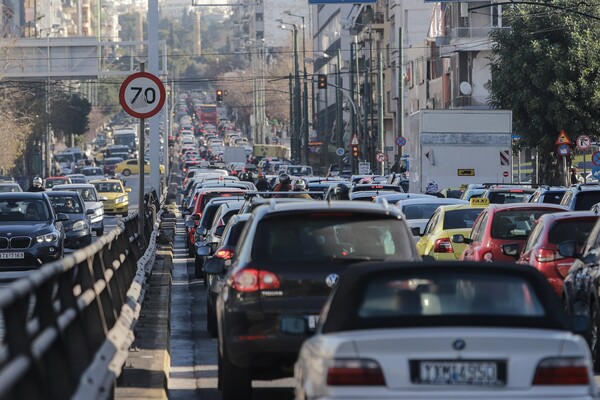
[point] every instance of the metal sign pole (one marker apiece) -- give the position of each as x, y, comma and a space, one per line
141, 159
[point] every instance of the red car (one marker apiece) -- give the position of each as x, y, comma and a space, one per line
541, 249
501, 230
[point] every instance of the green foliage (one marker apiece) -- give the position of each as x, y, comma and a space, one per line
545, 69
69, 113
108, 95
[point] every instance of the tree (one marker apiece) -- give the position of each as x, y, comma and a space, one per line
69, 113
545, 68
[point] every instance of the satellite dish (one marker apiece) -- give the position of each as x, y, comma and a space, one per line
465, 88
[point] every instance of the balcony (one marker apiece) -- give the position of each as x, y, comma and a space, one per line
468, 39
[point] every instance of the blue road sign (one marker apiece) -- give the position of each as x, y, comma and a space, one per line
340, 151
596, 158
563, 150
596, 172
400, 141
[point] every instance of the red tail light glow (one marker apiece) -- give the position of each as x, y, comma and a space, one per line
355, 372
225, 254
562, 371
443, 245
252, 280
547, 255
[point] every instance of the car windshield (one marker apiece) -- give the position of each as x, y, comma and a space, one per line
23, 210
509, 196
419, 211
328, 236
87, 194
9, 188
66, 204
108, 187
461, 219
515, 224
398, 296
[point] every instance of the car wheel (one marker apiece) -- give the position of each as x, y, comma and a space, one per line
126, 172
100, 231
211, 321
235, 381
198, 267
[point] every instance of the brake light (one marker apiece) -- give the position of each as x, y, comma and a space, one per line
516, 191
252, 280
562, 371
355, 372
547, 255
224, 254
443, 245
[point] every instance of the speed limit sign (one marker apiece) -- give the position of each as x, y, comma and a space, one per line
142, 95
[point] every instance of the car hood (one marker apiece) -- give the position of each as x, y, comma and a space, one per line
93, 205
111, 195
29, 228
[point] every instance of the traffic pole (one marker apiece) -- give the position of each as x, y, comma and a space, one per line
141, 159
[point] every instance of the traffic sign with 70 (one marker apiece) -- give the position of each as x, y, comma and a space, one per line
142, 95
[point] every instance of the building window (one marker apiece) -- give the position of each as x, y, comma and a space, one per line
259, 16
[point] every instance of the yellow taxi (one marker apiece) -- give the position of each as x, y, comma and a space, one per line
117, 195
447, 221
131, 166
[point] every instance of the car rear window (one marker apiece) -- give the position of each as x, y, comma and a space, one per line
516, 224
398, 296
577, 230
324, 236
553, 197
509, 196
459, 219
419, 211
586, 199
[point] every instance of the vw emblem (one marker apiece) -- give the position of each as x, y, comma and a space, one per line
459, 344
331, 280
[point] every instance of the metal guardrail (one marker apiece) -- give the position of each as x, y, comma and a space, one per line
61, 319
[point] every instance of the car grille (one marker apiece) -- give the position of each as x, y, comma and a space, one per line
19, 242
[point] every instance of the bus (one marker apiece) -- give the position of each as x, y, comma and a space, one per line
208, 114
126, 137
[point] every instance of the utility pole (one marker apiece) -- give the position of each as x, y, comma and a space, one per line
400, 99
339, 122
380, 132
297, 106
353, 116
290, 133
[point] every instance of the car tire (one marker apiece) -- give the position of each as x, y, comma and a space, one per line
211, 321
100, 231
235, 382
126, 172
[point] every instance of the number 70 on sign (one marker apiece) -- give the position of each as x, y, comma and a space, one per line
142, 95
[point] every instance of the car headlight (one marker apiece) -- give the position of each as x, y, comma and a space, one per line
120, 200
50, 237
79, 226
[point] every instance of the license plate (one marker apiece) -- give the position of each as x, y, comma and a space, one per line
470, 373
12, 255
312, 321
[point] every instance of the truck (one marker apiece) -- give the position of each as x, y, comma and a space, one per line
234, 155
271, 151
458, 147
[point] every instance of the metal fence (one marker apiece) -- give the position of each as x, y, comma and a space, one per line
73, 317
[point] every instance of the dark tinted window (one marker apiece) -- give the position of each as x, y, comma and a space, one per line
331, 236
506, 197
24, 210
586, 199
515, 224
457, 219
553, 197
577, 230
235, 232
66, 204
419, 211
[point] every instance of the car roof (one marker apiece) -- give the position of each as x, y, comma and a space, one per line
105, 180
22, 195
347, 294
516, 206
570, 215
452, 207
74, 186
341, 205
432, 200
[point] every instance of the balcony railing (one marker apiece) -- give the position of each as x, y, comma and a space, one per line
472, 32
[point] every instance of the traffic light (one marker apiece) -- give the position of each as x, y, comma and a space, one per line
219, 95
322, 81
355, 150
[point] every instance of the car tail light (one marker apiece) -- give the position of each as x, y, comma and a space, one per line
488, 257
443, 245
562, 371
547, 255
252, 280
225, 254
355, 372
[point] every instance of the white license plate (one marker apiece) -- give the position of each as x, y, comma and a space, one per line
475, 373
12, 255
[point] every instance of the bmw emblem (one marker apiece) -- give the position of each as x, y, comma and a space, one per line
459, 344
332, 279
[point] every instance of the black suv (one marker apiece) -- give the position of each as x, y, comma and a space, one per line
31, 233
548, 194
288, 259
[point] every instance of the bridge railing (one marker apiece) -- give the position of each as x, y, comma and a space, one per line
71, 318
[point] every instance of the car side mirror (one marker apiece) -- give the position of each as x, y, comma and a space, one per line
568, 249
89, 212
214, 266
190, 223
511, 249
460, 238
61, 217
579, 324
102, 198
204, 251
293, 325
127, 190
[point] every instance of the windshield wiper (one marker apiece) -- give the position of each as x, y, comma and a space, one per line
354, 258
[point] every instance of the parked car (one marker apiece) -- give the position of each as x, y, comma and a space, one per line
115, 195
541, 249
78, 232
289, 258
501, 230
31, 233
93, 201
442, 330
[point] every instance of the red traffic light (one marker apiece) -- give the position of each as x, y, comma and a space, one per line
355, 151
322, 81
219, 95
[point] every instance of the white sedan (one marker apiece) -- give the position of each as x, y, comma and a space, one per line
443, 330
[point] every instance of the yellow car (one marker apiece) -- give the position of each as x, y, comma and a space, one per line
129, 167
445, 222
117, 196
